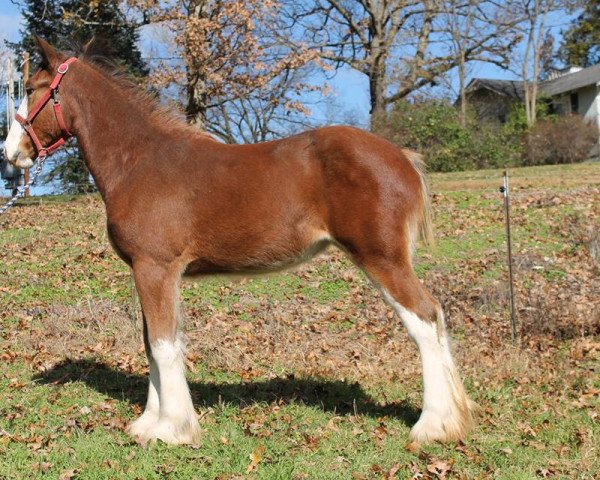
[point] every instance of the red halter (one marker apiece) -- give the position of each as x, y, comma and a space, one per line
51, 93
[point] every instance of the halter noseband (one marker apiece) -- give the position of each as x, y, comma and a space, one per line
51, 93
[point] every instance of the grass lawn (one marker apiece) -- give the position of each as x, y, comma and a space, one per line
307, 374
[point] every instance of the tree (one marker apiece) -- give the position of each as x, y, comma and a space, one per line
395, 43
465, 24
233, 75
537, 47
262, 114
65, 23
581, 42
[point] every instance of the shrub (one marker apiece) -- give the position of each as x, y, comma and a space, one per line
565, 139
433, 129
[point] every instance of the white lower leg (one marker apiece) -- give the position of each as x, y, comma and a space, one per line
446, 415
177, 421
151, 412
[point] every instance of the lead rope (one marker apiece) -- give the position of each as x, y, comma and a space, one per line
21, 190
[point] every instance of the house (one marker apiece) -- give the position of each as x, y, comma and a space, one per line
568, 91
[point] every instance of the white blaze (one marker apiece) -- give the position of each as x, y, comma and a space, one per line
11, 144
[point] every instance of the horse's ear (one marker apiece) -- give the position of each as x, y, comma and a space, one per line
49, 54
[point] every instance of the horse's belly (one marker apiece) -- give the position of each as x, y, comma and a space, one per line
269, 257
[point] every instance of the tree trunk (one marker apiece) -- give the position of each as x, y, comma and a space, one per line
195, 109
377, 93
462, 89
377, 72
526, 84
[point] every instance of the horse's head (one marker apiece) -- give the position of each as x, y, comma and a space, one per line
19, 148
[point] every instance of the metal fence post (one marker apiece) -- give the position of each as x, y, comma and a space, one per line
505, 192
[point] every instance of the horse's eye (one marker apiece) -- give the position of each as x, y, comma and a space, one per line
29, 91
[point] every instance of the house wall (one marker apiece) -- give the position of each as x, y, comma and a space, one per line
588, 102
589, 107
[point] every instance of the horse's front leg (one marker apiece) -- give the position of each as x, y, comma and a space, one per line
151, 412
169, 414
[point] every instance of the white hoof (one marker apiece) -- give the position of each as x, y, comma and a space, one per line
432, 427
184, 432
145, 421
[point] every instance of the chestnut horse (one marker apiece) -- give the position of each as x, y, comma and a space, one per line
181, 203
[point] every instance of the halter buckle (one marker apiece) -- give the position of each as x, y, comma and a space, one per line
62, 68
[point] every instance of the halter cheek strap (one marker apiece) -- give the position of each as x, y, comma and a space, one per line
51, 93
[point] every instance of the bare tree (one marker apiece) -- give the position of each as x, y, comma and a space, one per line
487, 26
264, 114
396, 43
460, 23
536, 12
536, 41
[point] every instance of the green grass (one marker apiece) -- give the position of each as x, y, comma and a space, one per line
313, 427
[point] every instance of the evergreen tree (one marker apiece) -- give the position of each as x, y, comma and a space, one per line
581, 44
66, 23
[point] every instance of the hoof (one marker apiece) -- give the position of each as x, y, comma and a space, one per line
185, 432
143, 423
452, 427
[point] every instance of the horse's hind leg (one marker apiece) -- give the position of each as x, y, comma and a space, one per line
175, 422
446, 414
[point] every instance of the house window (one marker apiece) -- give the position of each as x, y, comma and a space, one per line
574, 103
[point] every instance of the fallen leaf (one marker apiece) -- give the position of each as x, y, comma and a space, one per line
255, 458
413, 447
68, 474
440, 468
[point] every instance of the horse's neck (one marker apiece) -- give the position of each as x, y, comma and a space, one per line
109, 125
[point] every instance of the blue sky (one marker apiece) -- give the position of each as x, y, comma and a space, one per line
9, 20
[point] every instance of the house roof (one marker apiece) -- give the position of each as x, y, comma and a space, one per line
572, 81
562, 84
510, 88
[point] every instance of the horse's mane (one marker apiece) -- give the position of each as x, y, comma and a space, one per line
97, 55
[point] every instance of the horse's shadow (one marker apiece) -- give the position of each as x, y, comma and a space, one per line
329, 395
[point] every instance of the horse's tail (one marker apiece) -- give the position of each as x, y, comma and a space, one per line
425, 221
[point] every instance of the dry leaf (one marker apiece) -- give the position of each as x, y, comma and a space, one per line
440, 468
255, 458
68, 474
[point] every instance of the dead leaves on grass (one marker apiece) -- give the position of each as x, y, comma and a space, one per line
352, 337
